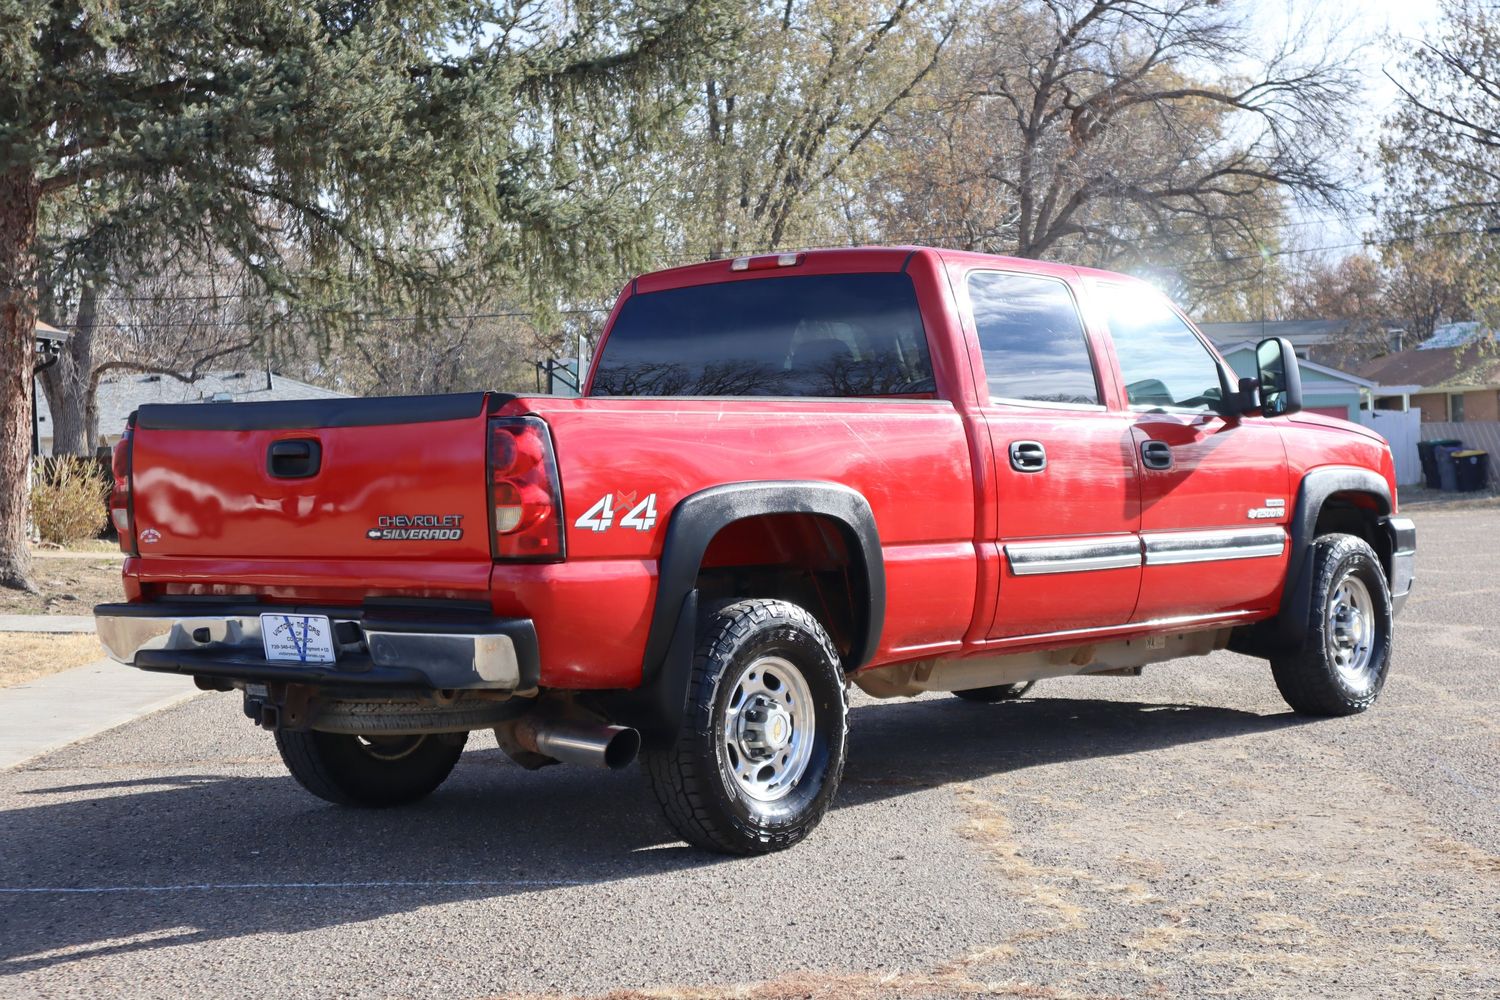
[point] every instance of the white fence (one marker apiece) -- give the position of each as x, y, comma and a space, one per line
1403, 430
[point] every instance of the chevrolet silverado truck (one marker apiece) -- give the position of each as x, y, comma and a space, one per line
905, 469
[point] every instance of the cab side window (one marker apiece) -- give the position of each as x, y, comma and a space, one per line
1031, 339
1162, 362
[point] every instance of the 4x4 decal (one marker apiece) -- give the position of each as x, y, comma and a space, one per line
601, 516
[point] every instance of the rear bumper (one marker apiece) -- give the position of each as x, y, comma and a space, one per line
1403, 533
376, 648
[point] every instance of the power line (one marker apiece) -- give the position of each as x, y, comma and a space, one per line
914, 237
306, 321
824, 240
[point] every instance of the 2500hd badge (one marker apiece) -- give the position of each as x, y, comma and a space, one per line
417, 528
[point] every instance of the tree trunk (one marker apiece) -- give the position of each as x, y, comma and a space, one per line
68, 384
19, 195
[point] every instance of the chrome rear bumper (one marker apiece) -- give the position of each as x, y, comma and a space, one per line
374, 647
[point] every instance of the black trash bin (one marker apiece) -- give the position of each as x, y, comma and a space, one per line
1447, 467
1472, 470
1427, 452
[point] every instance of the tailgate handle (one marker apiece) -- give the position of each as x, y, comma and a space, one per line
297, 459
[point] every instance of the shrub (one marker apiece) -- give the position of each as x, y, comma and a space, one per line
69, 500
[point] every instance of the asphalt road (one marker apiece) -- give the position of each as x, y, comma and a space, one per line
1179, 834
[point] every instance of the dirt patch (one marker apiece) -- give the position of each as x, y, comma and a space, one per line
827, 986
69, 586
25, 656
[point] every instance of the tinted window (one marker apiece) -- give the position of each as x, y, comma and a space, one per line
1161, 360
1031, 339
819, 335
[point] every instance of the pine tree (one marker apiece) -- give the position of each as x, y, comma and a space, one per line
328, 148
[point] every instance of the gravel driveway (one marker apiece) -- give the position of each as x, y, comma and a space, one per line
1179, 834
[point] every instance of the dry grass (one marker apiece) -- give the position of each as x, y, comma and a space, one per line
69, 499
25, 656
82, 547
69, 586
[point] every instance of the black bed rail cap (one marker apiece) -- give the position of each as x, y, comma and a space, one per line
293, 414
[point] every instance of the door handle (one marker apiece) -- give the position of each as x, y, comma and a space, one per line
296, 459
1156, 454
1028, 456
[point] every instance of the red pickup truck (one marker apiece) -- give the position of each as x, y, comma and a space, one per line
909, 469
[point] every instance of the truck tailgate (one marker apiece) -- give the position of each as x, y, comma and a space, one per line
378, 478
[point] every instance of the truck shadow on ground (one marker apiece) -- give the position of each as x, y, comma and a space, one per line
179, 859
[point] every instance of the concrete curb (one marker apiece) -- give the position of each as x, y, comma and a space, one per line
49, 713
46, 623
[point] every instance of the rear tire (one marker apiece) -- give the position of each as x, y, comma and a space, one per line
1345, 656
373, 771
760, 751
999, 692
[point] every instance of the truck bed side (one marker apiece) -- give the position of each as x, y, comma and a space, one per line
908, 458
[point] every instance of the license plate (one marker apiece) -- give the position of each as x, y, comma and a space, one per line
297, 638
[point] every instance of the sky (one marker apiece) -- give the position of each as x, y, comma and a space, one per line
1386, 30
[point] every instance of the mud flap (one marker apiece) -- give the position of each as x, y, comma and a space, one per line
656, 708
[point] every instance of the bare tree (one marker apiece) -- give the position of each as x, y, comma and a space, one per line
776, 150
1350, 292
1440, 154
490, 348
179, 322
1109, 130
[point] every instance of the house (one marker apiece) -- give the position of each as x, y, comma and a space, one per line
1325, 389
119, 396
1320, 340
49, 345
1449, 384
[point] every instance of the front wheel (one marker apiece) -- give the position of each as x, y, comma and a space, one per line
1342, 663
758, 756
369, 770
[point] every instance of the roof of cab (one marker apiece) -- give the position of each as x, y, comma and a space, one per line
834, 260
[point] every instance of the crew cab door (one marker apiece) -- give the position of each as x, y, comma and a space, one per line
1067, 502
1214, 489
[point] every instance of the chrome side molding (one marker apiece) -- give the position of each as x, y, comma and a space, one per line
1163, 548
1167, 548
1034, 558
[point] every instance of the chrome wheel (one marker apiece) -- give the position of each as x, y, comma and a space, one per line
768, 729
1351, 632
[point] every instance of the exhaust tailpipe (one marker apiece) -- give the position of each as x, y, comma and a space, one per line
591, 744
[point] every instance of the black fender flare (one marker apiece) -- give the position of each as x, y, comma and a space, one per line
656, 706
700, 516
1288, 628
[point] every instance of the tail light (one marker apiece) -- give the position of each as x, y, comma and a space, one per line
120, 510
525, 499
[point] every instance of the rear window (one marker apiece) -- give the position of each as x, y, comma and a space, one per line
818, 335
